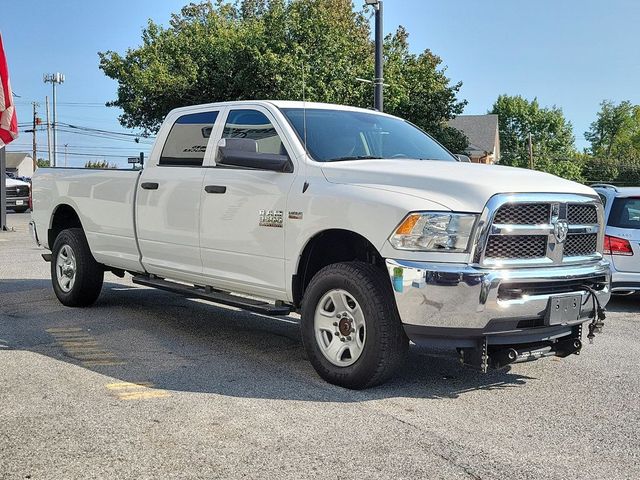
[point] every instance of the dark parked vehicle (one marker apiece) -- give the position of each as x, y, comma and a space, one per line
18, 194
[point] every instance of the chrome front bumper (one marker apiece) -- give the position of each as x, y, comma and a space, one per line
462, 301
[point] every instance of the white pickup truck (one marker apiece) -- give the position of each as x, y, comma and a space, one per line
357, 220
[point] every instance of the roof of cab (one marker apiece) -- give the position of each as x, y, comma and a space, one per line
619, 191
281, 104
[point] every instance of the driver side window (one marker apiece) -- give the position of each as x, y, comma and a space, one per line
253, 125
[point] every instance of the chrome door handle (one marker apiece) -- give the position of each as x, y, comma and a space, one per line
215, 189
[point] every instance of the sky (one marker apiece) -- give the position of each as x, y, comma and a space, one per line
568, 53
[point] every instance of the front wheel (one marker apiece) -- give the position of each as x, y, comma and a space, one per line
77, 277
351, 329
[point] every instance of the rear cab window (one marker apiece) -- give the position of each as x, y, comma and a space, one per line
187, 141
625, 213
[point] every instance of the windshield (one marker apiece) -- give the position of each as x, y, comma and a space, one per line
625, 213
340, 135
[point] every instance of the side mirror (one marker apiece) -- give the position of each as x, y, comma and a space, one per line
243, 152
463, 158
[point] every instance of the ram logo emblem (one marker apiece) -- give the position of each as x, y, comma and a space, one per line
560, 230
271, 218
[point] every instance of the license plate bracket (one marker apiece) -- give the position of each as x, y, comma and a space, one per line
563, 309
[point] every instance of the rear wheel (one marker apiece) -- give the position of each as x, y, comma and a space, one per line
351, 329
77, 277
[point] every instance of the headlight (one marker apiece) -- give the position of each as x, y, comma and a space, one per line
434, 231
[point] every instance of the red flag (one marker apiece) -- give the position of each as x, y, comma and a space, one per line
8, 119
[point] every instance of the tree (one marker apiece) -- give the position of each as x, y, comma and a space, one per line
551, 134
254, 49
99, 164
616, 131
420, 92
41, 162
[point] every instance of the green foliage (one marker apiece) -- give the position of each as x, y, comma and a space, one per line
552, 135
41, 162
269, 49
616, 131
570, 168
99, 164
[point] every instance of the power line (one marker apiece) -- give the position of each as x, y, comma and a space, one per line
90, 149
80, 154
104, 136
98, 130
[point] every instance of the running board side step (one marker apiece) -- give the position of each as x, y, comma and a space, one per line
249, 304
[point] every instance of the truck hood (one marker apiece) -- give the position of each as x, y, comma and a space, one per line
462, 187
10, 182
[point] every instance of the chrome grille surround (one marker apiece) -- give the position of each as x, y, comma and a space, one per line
576, 248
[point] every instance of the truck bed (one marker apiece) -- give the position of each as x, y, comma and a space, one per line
104, 201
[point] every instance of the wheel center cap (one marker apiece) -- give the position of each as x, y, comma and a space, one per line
344, 326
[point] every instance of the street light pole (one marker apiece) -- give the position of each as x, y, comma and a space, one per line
54, 79
379, 77
378, 81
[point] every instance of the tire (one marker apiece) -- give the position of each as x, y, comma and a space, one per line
20, 209
375, 351
81, 283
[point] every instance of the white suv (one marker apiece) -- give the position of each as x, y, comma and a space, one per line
622, 235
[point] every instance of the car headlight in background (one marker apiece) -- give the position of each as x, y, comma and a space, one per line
434, 231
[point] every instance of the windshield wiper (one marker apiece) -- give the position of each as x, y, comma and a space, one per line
354, 157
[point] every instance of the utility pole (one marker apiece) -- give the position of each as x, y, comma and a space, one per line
46, 101
65, 154
530, 152
54, 79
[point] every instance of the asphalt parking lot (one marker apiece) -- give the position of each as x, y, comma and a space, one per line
150, 385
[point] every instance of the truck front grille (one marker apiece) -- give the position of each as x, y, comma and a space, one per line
523, 214
552, 231
581, 244
516, 246
582, 214
20, 191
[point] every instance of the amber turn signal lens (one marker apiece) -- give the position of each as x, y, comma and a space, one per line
406, 227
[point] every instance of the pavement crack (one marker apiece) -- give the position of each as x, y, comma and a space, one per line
465, 468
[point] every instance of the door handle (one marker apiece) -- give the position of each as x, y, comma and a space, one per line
149, 185
215, 189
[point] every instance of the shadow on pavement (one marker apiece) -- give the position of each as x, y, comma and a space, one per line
191, 346
624, 304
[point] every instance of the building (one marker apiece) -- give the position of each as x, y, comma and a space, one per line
483, 134
20, 164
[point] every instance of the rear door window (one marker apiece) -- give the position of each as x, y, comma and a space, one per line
625, 213
187, 141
